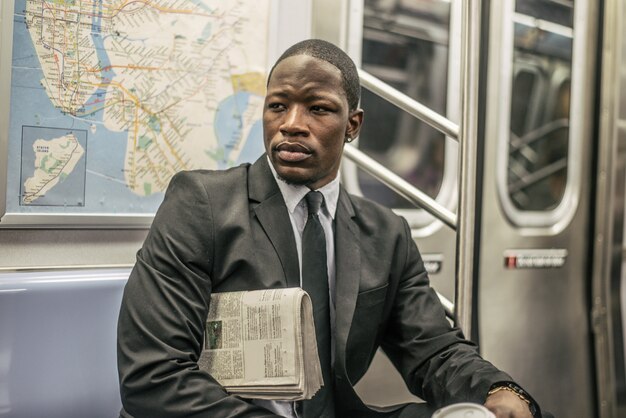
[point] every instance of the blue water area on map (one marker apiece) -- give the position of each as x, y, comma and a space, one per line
106, 190
253, 147
107, 74
20, 6
229, 126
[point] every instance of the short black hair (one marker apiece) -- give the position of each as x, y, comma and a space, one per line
332, 54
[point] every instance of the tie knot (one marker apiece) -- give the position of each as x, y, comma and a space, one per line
314, 201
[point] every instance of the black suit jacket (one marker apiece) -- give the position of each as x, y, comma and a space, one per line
220, 231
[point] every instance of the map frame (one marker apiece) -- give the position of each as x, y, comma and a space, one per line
280, 16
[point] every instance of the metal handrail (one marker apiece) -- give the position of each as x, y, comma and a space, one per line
401, 186
465, 222
538, 175
541, 132
448, 306
409, 105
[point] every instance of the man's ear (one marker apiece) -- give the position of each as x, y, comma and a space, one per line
355, 120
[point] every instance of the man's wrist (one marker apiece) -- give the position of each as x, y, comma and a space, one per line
520, 393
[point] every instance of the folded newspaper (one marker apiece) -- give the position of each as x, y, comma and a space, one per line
261, 344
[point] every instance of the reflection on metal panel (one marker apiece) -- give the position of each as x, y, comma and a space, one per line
539, 125
58, 345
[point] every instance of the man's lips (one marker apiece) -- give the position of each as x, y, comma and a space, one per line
292, 152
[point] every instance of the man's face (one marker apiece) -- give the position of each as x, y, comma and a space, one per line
306, 119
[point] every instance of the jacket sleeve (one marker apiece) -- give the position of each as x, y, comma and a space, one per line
164, 307
435, 360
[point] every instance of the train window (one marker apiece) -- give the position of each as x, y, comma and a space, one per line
393, 137
405, 44
538, 146
523, 83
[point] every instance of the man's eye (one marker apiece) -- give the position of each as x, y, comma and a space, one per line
319, 109
276, 106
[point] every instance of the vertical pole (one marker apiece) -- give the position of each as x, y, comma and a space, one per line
470, 52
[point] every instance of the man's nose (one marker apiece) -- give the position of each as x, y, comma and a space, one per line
294, 122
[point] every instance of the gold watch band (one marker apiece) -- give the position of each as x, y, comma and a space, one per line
509, 389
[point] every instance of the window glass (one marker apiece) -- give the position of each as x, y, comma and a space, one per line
555, 11
540, 106
405, 44
522, 89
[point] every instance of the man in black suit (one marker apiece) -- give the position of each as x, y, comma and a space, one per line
242, 229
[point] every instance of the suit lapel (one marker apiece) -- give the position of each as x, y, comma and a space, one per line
348, 274
274, 218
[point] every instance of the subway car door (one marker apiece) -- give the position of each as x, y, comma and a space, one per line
533, 281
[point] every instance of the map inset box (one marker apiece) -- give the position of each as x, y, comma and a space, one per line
53, 166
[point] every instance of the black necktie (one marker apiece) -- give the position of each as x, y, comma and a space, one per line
315, 283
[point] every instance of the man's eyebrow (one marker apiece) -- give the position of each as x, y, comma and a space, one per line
309, 98
279, 93
320, 97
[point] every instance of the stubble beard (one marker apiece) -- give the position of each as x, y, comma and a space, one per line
303, 182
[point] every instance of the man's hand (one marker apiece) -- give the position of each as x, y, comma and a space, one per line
506, 404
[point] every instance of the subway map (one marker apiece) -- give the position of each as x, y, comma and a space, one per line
110, 98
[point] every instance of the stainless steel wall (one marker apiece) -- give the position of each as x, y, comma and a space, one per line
30, 248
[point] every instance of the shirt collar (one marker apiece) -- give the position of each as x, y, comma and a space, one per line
294, 193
